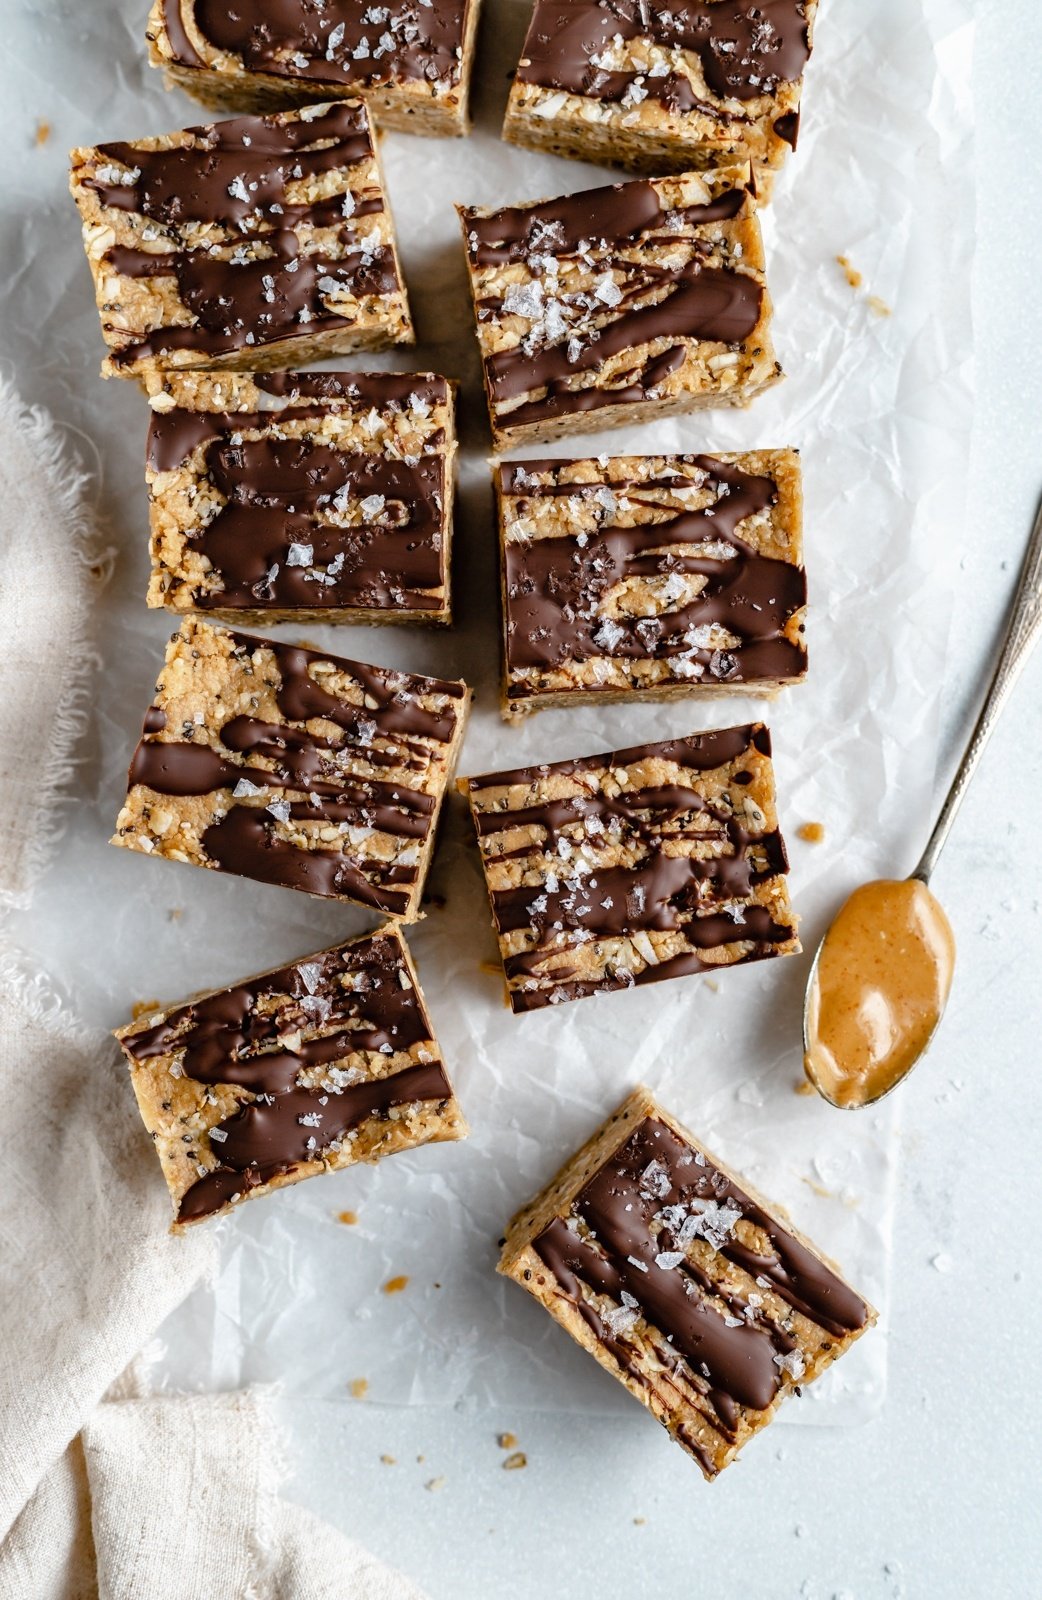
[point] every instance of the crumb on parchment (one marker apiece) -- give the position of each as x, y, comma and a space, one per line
358, 1388
812, 832
856, 281
395, 1285
817, 1188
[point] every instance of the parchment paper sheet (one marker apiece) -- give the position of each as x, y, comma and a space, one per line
880, 406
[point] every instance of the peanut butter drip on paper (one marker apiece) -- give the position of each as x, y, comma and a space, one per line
553, 584
879, 990
627, 1237
227, 1039
746, 48
389, 732
661, 892
257, 285
332, 42
275, 541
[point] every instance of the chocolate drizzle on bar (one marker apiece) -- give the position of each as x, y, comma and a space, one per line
631, 1236
351, 1000
255, 284
276, 541
313, 780
571, 904
555, 585
334, 42
746, 48
610, 229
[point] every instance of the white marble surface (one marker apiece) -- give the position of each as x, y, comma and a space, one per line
937, 1497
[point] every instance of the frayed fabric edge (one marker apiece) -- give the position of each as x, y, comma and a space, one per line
53, 457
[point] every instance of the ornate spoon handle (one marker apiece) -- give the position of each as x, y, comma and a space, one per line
1022, 631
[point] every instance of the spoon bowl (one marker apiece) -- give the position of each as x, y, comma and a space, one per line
887, 981
876, 992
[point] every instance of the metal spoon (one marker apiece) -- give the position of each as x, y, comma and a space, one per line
1023, 627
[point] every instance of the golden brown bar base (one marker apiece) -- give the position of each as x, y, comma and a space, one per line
400, 112
516, 710
244, 245
635, 866
683, 1283
294, 767
324, 497
650, 577
656, 90
224, 83
620, 305
347, 617
577, 424
644, 155
362, 1101
300, 351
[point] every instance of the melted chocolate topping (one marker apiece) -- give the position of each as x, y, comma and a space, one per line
366, 388
239, 169
572, 223
662, 891
554, 584
787, 127
694, 301
704, 303
334, 42
270, 544
647, 1202
389, 730
236, 175
747, 48
700, 751
184, 51
227, 1039
173, 435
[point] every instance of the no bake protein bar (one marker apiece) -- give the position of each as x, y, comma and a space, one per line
683, 1283
311, 1067
650, 577
628, 868
323, 496
411, 59
655, 89
293, 767
254, 243
619, 305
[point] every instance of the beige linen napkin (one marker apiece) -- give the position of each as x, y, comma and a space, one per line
119, 1498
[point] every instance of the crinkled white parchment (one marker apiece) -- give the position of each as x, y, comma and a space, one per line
879, 404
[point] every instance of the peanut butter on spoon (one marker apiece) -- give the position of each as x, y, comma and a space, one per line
878, 990
882, 975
